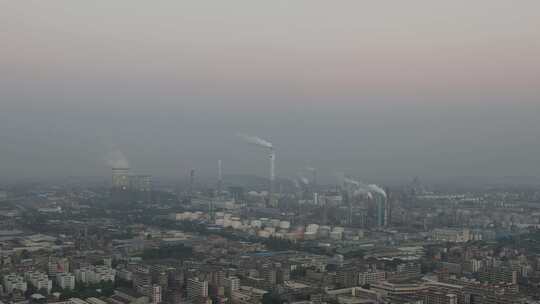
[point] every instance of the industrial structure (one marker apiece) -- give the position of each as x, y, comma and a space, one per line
127, 187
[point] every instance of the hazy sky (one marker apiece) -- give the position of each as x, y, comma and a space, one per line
376, 89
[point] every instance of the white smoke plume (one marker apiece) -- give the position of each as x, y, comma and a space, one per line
351, 181
256, 141
377, 189
117, 159
304, 180
360, 191
311, 169
364, 192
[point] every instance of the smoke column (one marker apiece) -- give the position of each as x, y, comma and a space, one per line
117, 159
351, 181
296, 183
256, 141
377, 189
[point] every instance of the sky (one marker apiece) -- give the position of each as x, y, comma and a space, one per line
372, 89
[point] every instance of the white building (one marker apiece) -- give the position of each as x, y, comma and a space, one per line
95, 274
369, 277
153, 292
14, 281
231, 284
451, 235
66, 281
197, 289
39, 280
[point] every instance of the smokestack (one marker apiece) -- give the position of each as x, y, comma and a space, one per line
272, 174
220, 178
268, 145
191, 182
314, 176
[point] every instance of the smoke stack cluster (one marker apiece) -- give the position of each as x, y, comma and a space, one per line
373, 192
267, 145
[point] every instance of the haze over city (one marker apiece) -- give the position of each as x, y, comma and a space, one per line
269, 152
383, 90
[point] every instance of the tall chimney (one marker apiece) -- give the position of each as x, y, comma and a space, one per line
220, 178
191, 182
272, 176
